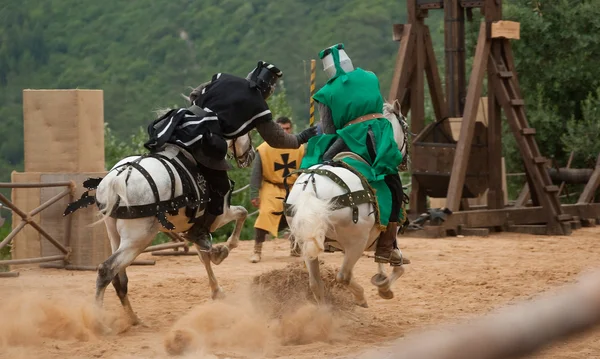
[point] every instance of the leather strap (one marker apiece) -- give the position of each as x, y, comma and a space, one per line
364, 118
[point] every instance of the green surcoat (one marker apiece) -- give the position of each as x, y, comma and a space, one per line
349, 96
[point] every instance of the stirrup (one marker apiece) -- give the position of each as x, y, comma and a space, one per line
388, 259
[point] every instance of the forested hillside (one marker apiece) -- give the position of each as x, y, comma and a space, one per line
144, 53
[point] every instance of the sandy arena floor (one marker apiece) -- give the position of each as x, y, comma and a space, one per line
47, 313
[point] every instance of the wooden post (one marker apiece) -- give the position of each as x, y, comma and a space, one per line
495, 200
313, 73
404, 67
463, 147
587, 195
454, 39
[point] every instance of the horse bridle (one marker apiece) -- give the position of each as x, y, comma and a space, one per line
245, 154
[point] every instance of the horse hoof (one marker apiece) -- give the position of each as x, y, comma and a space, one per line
386, 294
218, 254
363, 305
218, 294
138, 323
379, 280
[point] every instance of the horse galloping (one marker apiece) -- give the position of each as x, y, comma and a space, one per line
158, 192
315, 215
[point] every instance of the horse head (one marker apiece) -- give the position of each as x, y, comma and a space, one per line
242, 150
392, 113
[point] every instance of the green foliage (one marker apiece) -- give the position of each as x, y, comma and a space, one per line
143, 54
115, 149
279, 104
582, 136
4, 252
556, 61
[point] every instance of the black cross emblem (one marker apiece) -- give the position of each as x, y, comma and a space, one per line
285, 166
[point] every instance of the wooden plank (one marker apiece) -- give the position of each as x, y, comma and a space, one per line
536, 229
471, 3
515, 216
459, 167
528, 131
506, 29
503, 218
417, 110
397, 30
434, 82
26, 244
63, 130
454, 43
524, 196
90, 245
404, 65
467, 231
562, 185
587, 195
494, 133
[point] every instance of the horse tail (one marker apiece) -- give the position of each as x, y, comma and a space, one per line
310, 222
114, 188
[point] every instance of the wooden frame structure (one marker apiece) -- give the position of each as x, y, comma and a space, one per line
457, 170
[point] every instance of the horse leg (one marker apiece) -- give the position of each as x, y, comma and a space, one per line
219, 252
239, 214
130, 237
344, 276
314, 279
205, 257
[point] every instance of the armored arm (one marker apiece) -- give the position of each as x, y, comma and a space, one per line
326, 119
338, 146
276, 137
256, 177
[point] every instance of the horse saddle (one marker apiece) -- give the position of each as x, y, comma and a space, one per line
342, 155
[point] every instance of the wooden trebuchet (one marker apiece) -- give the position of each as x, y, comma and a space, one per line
512, 332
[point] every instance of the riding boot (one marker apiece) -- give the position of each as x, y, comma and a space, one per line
200, 232
385, 252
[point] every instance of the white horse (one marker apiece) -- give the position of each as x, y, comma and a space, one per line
314, 219
129, 237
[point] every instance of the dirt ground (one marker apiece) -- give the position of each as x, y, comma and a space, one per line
48, 313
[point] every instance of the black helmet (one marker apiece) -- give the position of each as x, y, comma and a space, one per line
264, 77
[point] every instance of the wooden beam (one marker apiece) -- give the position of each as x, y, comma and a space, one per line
590, 188
434, 82
562, 185
493, 12
463, 148
488, 218
505, 29
397, 30
404, 65
454, 44
418, 199
523, 197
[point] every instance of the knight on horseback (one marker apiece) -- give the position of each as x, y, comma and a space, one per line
350, 107
224, 108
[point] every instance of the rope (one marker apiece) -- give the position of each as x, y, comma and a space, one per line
241, 189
